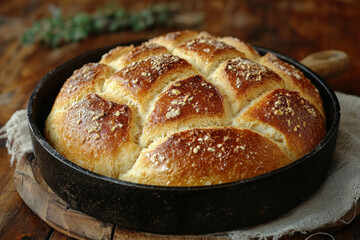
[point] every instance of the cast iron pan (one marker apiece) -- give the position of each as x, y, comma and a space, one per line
178, 210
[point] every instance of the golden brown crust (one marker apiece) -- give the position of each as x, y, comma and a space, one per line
143, 51
94, 121
88, 79
294, 117
187, 103
191, 96
173, 39
138, 53
207, 48
115, 53
139, 77
243, 74
243, 80
205, 157
206, 53
179, 36
186, 109
243, 47
295, 80
93, 130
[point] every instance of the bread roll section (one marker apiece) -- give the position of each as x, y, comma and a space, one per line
95, 134
186, 109
187, 103
206, 156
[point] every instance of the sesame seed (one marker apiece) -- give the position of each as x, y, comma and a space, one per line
196, 149
277, 103
116, 126
297, 76
207, 50
312, 112
278, 112
175, 92
91, 130
175, 102
98, 116
135, 81
211, 149
186, 97
173, 113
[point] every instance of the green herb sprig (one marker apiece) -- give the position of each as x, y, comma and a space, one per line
58, 29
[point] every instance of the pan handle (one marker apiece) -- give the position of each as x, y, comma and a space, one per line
328, 63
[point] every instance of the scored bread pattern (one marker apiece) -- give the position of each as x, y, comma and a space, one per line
186, 109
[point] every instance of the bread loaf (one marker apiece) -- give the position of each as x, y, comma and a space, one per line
186, 109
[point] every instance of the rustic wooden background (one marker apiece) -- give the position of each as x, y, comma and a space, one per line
293, 28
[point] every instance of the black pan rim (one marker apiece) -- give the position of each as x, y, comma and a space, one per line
40, 138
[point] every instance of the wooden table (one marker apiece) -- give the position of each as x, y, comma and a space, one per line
294, 28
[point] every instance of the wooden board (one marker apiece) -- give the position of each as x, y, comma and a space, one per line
60, 216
